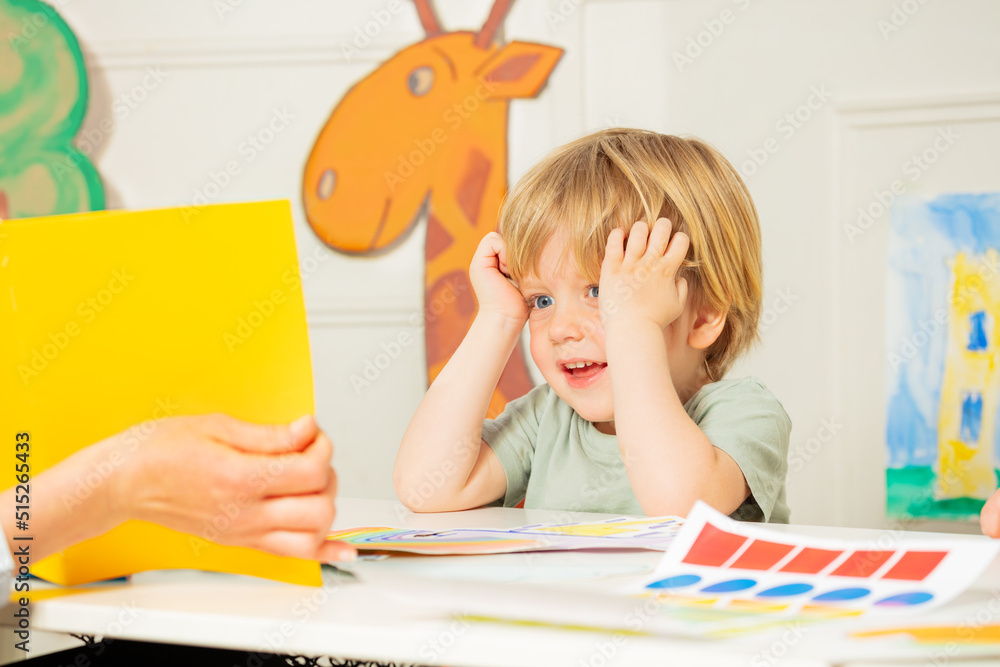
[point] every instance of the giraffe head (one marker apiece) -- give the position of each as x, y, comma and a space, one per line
387, 143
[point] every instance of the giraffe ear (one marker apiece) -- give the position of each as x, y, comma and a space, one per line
520, 69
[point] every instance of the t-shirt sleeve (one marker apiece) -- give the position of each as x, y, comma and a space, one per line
512, 437
746, 421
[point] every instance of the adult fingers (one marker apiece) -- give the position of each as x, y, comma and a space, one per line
297, 544
311, 546
332, 551
298, 473
246, 524
259, 438
313, 512
659, 237
635, 247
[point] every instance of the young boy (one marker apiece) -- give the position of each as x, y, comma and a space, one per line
632, 325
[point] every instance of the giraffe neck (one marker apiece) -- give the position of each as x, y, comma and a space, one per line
464, 205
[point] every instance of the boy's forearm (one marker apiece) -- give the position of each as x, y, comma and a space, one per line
442, 442
669, 460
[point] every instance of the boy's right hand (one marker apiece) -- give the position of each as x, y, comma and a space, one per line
494, 290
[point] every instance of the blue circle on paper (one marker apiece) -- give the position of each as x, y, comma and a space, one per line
842, 594
676, 582
905, 599
785, 590
730, 586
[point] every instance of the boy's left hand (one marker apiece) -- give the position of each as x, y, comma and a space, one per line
639, 279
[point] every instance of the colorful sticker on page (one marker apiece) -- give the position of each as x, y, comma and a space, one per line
724, 564
654, 533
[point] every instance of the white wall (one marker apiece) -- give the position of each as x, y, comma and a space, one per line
882, 97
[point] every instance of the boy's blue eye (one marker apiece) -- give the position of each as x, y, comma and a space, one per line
542, 301
592, 291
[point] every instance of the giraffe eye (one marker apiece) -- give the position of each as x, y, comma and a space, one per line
420, 81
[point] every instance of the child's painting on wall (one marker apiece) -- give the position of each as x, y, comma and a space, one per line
942, 353
43, 100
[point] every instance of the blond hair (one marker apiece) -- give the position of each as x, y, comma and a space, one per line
616, 177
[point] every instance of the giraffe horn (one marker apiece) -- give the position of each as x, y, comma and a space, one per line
428, 19
493, 23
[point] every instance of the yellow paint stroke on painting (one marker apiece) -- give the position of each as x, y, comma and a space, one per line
599, 529
965, 469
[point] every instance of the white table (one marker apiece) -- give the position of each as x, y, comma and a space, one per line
370, 618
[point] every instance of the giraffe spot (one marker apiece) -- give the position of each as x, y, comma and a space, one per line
327, 184
438, 238
470, 191
449, 307
515, 380
420, 81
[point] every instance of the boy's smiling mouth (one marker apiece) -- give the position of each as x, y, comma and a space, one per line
581, 372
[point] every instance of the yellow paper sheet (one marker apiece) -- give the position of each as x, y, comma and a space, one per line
110, 319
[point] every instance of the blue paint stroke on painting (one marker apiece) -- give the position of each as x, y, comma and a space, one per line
977, 332
924, 235
972, 417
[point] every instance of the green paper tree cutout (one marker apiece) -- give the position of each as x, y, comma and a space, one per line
43, 99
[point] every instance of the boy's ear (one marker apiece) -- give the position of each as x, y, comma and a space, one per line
707, 327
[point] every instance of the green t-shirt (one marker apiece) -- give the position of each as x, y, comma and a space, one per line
555, 459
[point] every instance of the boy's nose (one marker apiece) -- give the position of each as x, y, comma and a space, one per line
566, 326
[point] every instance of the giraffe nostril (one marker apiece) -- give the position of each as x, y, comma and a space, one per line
327, 183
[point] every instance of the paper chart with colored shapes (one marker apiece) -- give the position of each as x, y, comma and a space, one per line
654, 533
719, 563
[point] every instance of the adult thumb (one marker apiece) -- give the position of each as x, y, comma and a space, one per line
267, 438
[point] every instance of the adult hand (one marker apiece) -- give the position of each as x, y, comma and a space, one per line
270, 487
